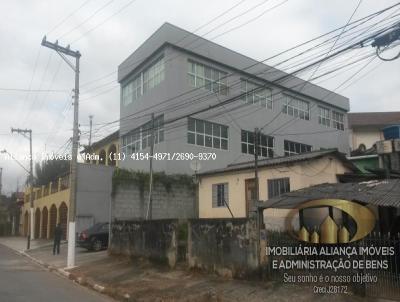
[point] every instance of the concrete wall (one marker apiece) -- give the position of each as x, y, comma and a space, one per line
301, 175
156, 239
225, 246
130, 201
175, 91
94, 193
365, 135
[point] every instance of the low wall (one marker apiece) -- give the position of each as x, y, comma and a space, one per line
156, 239
130, 202
225, 246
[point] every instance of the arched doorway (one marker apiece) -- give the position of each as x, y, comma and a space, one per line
26, 223
63, 214
112, 151
37, 223
53, 220
45, 217
103, 157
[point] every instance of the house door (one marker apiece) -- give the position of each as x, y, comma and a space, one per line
250, 194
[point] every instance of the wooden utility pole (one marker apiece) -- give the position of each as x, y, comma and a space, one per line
149, 214
31, 233
63, 52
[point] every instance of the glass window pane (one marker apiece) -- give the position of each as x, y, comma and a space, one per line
224, 131
191, 124
208, 128
216, 143
244, 136
224, 144
199, 126
216, 130
244, 148
191, 138
200, 139
208, 141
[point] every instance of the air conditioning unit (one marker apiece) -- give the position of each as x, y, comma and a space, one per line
396, 145
384, 147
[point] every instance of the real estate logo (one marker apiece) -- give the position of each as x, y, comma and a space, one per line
346, 222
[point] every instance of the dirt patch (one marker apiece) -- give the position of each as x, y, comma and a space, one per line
137, 280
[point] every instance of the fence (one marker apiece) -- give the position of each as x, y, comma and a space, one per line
226, 246
155, 239
387, 283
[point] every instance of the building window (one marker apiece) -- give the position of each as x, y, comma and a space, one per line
206, 77
324, 116
140, 138
207, 134
278, 186
292, 148
154, 75
338, 120
296, 108
127, 91
143, 82
220, 195
256, 94
265, 144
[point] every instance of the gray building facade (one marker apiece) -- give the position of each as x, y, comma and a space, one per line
175, 73
93, 196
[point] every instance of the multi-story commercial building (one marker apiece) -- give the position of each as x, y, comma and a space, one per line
209, 99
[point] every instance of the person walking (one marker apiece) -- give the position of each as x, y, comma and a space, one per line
57, 239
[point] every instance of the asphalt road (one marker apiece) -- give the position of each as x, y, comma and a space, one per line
23, 281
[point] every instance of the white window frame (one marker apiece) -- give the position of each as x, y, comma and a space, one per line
218, 190
207, 77
256, 95
156, 74
133, 141
324, 116
297, 108
293, 151
208, 136
262, 148
338, 120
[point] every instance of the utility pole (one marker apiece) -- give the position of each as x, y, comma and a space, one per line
90, 131
256, 143
259, 214
1, 184
24, 132
63, 52
150, 204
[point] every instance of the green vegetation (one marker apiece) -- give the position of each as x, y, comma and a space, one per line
141, 179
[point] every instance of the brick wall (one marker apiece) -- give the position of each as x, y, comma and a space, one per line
130, 202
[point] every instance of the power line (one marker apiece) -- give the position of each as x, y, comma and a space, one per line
67, 17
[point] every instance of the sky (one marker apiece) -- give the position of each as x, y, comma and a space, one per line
108, 31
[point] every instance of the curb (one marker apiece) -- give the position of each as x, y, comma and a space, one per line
63, 272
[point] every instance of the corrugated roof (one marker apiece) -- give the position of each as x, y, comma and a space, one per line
373, 118
376, 192
280, 160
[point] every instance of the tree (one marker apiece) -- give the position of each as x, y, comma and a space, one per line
50, 170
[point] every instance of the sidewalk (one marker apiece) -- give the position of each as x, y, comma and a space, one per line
129, 279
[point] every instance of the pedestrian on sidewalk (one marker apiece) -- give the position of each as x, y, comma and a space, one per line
57, 239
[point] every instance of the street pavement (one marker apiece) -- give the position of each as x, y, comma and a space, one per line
22, 281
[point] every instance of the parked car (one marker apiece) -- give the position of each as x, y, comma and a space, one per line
94, 238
